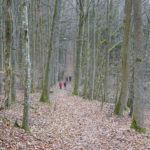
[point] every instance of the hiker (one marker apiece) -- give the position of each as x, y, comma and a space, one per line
70, 78
60, 85
65, 84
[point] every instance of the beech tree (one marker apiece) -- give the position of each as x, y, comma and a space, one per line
8, 35
120, 104
107, 53
13, 53
45, 90
138, 101
80, 4
27, 67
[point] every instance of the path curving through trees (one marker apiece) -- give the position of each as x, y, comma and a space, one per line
71, 124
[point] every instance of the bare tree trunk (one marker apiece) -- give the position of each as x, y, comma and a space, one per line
27, 86
131, 92
86, 80
8, 36
94, 51
120, 104
13, 77
13, 56
57, 41
45, 90
1, 50
138, 102
78, 48
106, 79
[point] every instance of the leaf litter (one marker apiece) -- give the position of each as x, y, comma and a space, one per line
70, 123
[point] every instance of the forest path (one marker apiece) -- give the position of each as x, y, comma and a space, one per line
76, 124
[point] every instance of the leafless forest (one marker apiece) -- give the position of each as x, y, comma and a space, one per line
74, 74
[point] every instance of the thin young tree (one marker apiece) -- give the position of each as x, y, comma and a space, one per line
13, 54
8, 36
1, 47
108, 21
27, 67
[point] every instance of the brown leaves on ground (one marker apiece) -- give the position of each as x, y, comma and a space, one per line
75, 124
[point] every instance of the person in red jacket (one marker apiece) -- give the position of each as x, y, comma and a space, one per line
60, 85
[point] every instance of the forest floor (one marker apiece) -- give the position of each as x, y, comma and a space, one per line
74, 124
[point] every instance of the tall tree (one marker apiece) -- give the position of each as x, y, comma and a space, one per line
27, 67
120, 104
92, 50
108, 21
56, 41
45, 90
13, 54
8, 36
80, 4
1, 47
138, 102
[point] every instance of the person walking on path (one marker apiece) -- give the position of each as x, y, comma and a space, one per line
70, 78
65, 84
60, 85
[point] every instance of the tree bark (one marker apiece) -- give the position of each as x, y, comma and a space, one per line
106, 79
78, 48
13, 57
8, 36
120, 104
45, 90
27, 68
138, 102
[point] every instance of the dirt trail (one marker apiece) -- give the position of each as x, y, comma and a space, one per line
75, 124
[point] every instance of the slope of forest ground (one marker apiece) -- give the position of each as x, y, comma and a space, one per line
74, 124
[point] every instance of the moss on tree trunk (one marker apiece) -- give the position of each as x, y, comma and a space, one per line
121, 104
8, 69
135, 126
78, 50
44, 97
117, 106
45, 90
